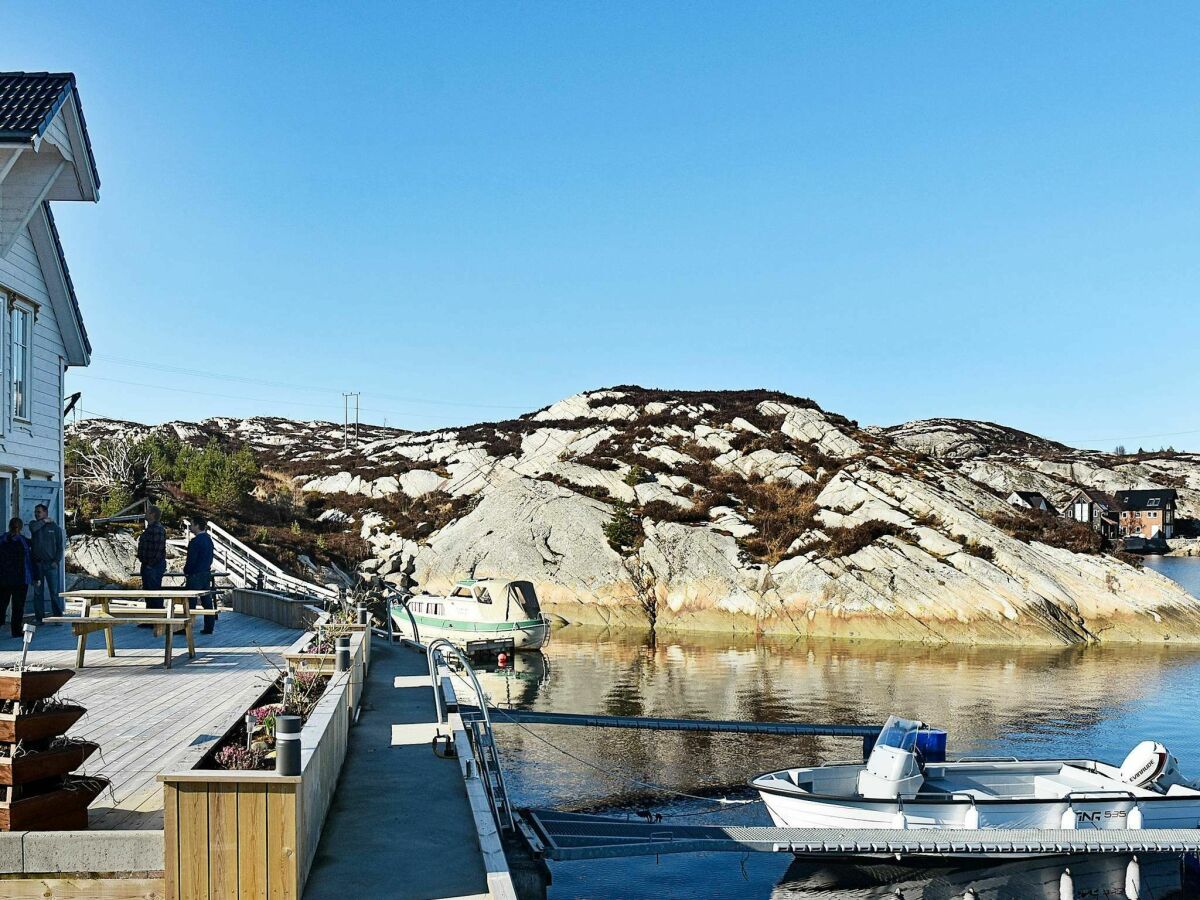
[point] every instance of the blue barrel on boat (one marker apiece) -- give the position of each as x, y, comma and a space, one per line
930, 741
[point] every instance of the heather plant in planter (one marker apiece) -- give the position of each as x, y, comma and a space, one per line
256, 750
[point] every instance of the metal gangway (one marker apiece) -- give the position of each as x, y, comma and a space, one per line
476, 722
576, 836
246, 568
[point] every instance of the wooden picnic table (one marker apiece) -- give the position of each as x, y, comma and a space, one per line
99, 613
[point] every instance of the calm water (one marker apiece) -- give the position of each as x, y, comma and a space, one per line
1068, 702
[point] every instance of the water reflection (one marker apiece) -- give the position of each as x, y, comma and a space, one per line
515, 684
1078, 701
1160, 877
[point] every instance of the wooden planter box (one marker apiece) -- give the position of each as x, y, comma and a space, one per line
37, 726
245, 835
64, 809
37, 684
43, 764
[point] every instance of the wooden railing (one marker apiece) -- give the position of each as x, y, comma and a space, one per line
281, 609
245, 835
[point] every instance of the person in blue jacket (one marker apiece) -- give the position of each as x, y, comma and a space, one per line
16, 574
197, 569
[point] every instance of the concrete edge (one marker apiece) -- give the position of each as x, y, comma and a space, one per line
107, 852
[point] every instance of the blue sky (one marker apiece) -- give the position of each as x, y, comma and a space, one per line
468, 211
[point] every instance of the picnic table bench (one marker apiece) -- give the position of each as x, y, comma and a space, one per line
99, 613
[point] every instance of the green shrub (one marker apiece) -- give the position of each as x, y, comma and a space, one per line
621, 529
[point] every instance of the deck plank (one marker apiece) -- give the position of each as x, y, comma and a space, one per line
148, 719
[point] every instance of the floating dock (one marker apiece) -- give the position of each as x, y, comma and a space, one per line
650, 723
565, 836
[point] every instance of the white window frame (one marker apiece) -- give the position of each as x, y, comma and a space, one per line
15, 306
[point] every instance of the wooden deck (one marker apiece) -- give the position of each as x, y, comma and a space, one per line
148, 719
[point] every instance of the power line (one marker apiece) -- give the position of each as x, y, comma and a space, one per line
200, 373
1133, 437
330, 408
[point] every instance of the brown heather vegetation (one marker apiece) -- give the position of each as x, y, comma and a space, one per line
781, 512
1035, 525
847, 541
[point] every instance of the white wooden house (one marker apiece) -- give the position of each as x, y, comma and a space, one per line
45, 157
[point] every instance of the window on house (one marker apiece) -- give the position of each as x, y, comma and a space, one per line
1152, 515
21, 320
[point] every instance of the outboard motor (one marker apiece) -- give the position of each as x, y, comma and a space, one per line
1152, 766
893, 767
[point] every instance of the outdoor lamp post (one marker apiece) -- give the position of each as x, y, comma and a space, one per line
26, 640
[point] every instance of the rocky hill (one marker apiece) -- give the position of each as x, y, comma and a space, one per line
749, 510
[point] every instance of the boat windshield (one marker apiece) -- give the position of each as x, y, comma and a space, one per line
899, 733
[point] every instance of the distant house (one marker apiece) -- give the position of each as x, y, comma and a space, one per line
45, 157
1032, 500
1097, 509
1147, 513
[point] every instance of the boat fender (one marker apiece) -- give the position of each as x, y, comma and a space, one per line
1135, 818
899, 820
971, 819
1067, 823
1133, 879
1066, 885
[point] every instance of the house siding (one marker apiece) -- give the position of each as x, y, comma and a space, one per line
33, 448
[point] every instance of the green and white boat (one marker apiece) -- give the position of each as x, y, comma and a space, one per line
485, 609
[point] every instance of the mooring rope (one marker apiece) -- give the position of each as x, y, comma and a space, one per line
612, 773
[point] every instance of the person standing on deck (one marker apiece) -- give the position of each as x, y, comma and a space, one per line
16, 574
47, 544
197, 570
152, 554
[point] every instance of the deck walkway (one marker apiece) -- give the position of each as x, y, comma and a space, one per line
400, 824
148, 719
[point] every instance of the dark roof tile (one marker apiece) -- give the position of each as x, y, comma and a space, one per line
30, 100
1153, 498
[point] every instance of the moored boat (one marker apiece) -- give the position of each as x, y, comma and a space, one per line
896, 788
490, 609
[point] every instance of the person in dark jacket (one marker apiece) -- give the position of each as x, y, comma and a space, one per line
46, 544
197, 570
152, 554
16, 574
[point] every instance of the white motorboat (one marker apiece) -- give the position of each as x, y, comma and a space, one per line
896, 788
478, 610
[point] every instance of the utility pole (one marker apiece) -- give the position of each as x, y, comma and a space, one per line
346, 395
